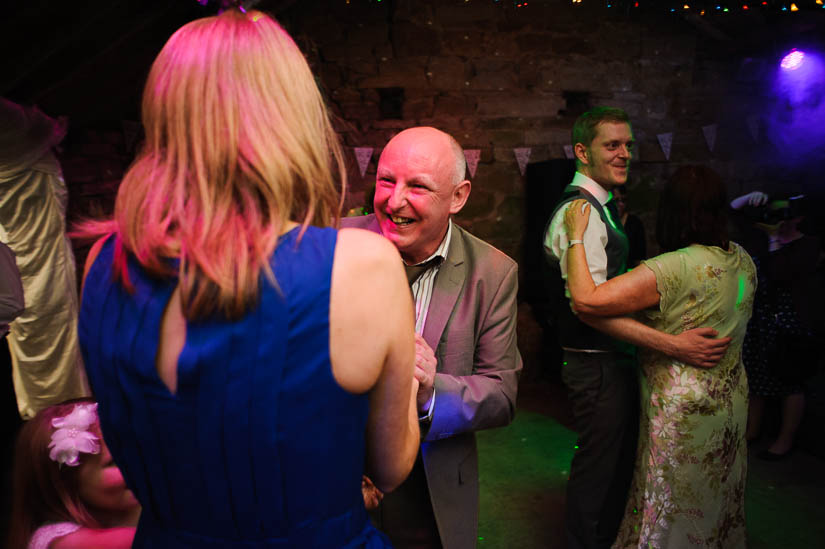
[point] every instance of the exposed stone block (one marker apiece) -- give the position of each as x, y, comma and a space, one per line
464, 43
418, 108
450, 14
409, 39
557, 136
507, 138
480, 203
535, 43
447, 73
499, 80
501, 175
360, 110
454, 105
395, 73
519, 104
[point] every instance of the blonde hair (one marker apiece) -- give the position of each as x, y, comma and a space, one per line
238, 143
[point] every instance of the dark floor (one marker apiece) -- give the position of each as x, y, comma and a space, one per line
524, 468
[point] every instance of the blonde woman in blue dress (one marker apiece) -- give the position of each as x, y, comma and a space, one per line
689, 482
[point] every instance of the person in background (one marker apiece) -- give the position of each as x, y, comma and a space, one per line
67, 491
689, 482
781, 349
46, 363
11, 306
245, 382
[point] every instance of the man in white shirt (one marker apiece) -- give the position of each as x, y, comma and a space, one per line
599, 367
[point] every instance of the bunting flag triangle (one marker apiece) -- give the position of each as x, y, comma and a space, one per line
568, 152
522, 157
710, 135
363, 155
666, 142
753, 126
472, 156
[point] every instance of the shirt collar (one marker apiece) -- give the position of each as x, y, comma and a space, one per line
444, 247
598, 192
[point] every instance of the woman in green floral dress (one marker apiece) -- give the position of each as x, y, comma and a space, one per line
689, 484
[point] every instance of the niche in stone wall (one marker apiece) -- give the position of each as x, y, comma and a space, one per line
575, 103
390, 103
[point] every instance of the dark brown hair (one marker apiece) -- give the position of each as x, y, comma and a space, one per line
692, 210
43, 491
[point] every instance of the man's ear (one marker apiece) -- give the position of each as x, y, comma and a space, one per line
461, 193
580, 150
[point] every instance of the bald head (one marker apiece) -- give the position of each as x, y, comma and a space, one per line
438, 139
420, 183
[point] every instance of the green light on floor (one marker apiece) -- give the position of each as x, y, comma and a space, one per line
564, 363
480, 538
576, 446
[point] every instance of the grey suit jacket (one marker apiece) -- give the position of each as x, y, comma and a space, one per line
471, 326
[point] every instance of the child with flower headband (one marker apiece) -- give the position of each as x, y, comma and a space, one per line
67, 491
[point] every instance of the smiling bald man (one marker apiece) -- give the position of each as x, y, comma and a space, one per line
467, 361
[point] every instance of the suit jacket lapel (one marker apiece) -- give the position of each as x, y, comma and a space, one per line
373, 225
448, 284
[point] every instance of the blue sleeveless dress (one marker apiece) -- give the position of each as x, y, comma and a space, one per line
259, 447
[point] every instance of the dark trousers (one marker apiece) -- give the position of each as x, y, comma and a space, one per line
604, 392
406, 514
10, 423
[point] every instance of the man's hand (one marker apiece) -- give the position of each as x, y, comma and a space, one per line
424, 371
700, 347
372, 495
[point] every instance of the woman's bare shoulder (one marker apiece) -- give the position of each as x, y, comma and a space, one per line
359, 246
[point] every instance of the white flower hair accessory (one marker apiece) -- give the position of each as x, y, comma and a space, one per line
72, 435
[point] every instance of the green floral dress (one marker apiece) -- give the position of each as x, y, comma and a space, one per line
689, 483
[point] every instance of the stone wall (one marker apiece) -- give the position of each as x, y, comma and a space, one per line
498, 77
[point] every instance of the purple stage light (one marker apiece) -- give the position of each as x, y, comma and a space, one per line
793, 60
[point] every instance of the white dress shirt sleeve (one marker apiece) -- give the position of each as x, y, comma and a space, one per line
595, 242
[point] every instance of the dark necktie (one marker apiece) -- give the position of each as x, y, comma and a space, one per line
615, 219
415, 271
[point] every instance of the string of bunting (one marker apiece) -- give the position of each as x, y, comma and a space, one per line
363, 155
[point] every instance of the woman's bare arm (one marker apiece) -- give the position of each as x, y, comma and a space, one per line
630, 292
93, 538
372, 347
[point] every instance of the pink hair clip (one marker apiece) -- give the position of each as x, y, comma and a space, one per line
72, 435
